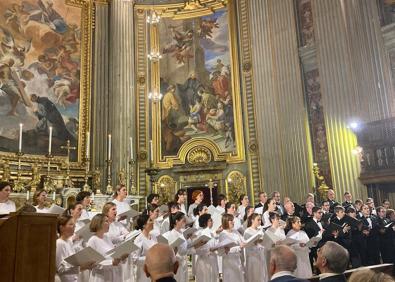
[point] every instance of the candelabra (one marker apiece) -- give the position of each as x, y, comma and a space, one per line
132, 162
109, 186
48, 183
19, 185
152, 172
86, 186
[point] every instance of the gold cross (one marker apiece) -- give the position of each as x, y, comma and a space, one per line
68, 148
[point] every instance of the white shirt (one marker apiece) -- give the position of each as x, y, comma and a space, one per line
66, 271
121, 206
43, 210
7, 207
318, 223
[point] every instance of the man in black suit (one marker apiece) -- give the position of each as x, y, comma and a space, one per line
262, 199
313, 228
283, 264
332, 261
289, 210
326, 214
161, 263
347, 200
331, 199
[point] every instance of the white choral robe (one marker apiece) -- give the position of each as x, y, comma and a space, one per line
232, 267
104, 271
256, 265
165, 226
266, 220
121, 208
241, 210
78, 245
43, 210
7, 207
206, 265
303, 268
183, 209
139, 256
183, 251
279, 232
65, 271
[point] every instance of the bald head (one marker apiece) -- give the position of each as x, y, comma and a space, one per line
160, 262
282, 258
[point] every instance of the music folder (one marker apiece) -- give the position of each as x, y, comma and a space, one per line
85, 256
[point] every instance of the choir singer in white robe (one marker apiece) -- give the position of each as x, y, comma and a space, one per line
6, 205
123, 205
110, 269
255, 256
232, 267
40, 201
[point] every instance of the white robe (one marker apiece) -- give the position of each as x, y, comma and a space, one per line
139, 256
256, 265
78, 245
65, 271
7, 207
43, 210
232, 267
266, 219
241, 210
121, 208
206, 265
104, 271
303, 268
165, 226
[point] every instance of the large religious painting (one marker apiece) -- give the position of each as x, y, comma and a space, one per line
43, 74
199, 81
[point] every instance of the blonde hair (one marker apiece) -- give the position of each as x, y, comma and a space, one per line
97, 222
117, 190
107, 207
369, 275
225, 220
36, 195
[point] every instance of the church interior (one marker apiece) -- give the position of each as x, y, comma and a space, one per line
227, 99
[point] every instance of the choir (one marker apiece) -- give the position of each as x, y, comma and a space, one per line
223, 241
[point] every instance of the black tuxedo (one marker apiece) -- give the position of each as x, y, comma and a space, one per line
372, 254
312, 229
325, 218
167, 279
336, 278
258, 206
347, 205
288, 278
332, 204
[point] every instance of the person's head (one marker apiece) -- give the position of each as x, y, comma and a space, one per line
286, 200
325, 206
282, 258
84, 197
110, 210
386, 204
294, 223
368, 275
120, 192
99, 223
39, 197
381, 212
65, 226
317, 213
347, 196
153, 199
197, 196
177, 221
243, 200
181, 196
227, 221
262, 197
390, 214
249, 210
144, 222
339, 211
222, 200
152, 211
310, 198
309, 207
5, 190
205, 221
351, 212
358, 204
276, 196
330, 195
370, 203
289, 207
365, 210
332, 258
160, 262
200, 209
74, 210
274, 218
173, 207
230, 208
270, 205
254, 220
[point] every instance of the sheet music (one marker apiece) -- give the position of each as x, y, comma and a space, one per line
85, 256
125, 248
56, 209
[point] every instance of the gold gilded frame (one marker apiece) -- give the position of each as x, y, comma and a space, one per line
180, 158
87, 25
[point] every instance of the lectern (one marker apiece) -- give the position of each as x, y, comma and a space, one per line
28, 247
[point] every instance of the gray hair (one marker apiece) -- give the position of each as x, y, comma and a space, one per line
336, 256
284, 258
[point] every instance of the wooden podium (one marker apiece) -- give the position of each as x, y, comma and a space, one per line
28, 247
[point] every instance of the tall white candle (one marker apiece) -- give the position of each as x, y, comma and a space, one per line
50, 140
27, 195
131, 148
151, 151
109, 146
54, 196
20, 137
88, 140
93, 196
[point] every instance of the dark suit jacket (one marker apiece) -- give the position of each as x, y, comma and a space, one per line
288, 278
311, 228
167, 279
336, 278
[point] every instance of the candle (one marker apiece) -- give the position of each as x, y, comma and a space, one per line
151, 151
20, 137
109, 146
50, 140
27, 195
131, 148
54, 195
93, 196
87, 144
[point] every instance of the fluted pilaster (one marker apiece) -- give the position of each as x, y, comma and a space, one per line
283, 135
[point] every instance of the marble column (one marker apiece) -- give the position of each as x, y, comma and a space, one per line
281, 119
100, 99
121, 122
